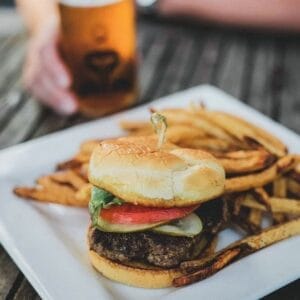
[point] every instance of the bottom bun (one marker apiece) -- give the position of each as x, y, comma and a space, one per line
133, 276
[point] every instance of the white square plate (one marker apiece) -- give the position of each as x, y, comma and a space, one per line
48, 242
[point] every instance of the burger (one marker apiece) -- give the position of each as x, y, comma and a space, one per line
143, 208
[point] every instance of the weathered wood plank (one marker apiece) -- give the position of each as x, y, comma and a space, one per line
290, 101
10, 67
176, 67
231, 66
51, 122
290, 292
156, 59
25, 292
7, 43
206, 61
8, 273
260, 84
9, 104
22, 124
145, 38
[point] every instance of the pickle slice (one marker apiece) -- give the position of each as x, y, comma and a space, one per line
188, 226
109, 227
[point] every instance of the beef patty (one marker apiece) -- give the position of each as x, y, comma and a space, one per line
155, 249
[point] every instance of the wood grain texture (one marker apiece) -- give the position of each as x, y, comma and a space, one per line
175, 68
21, 125
8, 273
25, 292
230, 74
262, 69
260, 96
290, 101
206, 61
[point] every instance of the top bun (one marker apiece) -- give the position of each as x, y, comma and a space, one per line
134, 170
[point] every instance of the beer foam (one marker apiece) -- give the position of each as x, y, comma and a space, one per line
87, 3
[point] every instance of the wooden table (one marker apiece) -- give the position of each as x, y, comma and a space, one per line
261, 69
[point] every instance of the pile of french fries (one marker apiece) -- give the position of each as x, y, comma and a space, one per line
262, 180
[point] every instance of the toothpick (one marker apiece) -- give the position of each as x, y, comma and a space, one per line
159, 123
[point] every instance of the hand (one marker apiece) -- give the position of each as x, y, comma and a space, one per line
45, 74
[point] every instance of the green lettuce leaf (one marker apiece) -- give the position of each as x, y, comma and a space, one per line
101, 199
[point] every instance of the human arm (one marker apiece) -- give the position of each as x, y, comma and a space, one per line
45, 74
268, 14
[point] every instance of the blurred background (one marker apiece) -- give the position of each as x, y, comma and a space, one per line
10, 21
255, 60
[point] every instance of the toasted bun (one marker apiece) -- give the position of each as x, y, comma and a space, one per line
134, 170
133, 276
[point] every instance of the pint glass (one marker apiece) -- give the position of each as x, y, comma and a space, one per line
98, 45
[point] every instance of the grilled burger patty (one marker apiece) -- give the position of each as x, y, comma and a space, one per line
155, 249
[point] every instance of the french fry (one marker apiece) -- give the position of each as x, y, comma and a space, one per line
83, 171
247, 132
247, 182
241, 216
210, 144
221, 261
69, 164
241, 154
297, 167
83, 156
135, 125
179, 133
279, 218
255, 217
88, 146
247, 219
68, 177
285, 163
280, 187
237, 203
211, 247
293, 187
277, 205
141, 132
84, 194
262, 196
246, 165
48, 190
47, 183
39, 193
181, 116
58, 195
279, 190
241, 221
294, 175
203, 268
74, 163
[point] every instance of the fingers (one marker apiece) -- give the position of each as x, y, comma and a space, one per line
60, 100
52, 62
46, 76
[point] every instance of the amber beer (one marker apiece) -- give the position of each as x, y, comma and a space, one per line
99, 46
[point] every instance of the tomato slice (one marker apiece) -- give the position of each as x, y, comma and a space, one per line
137, 214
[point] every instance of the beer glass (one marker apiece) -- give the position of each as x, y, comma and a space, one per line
98, 45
